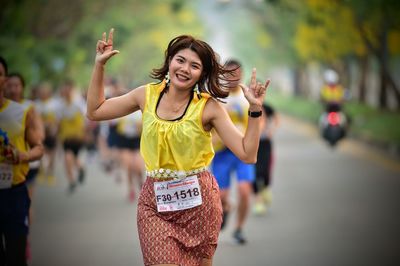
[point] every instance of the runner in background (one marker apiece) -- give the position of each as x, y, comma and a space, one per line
14, 90
129, 129
226, 163
20, 143
47, 106
72, 132
109, 138
92, 134
262, 184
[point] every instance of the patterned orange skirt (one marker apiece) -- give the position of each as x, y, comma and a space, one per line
179, 237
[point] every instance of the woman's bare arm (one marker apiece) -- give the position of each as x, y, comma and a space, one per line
245, 146
98, 108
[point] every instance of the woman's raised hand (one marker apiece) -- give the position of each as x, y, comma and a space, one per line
104, 48
256, 91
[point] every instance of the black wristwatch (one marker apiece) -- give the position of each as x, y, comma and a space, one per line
255, 114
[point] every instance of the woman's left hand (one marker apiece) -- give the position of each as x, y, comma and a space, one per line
255, 93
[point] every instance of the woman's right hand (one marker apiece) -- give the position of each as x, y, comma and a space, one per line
104, 48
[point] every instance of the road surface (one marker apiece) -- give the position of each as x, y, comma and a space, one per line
330, 207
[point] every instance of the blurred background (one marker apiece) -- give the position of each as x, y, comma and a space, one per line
332, 206
290, 41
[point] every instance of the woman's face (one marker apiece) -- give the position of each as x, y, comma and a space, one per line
185, 69
14, 89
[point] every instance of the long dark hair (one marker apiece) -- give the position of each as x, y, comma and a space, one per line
212, 79
4, 63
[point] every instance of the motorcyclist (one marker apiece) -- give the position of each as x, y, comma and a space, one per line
332, 96
332, 93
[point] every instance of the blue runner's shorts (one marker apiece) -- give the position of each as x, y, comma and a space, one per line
225, 163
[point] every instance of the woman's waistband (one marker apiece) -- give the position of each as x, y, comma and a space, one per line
173, 174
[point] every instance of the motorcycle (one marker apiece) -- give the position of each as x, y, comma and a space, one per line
333, 126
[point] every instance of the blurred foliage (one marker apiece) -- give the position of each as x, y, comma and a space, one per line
329, 30
296, 106
234, 31
335, 32
327, 33
278, 19
55, 39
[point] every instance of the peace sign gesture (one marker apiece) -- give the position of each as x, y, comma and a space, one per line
104, 48
256, 91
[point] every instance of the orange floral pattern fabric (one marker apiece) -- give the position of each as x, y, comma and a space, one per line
180, 237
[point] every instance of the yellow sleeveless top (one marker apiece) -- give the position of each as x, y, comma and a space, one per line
332, 94
47, 109
72, 122
12, 130
181, 145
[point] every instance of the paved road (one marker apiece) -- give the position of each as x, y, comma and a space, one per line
330, 207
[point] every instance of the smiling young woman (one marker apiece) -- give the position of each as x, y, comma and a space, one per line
179, 210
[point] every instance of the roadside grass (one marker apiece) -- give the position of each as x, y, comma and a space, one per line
367, 123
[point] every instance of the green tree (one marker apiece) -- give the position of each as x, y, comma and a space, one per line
335, 31
378, 22
55, 39
326, 34
279, 19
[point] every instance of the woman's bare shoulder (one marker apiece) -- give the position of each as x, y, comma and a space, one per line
212, 110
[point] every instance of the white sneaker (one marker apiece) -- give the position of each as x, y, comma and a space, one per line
259, 209
266, 195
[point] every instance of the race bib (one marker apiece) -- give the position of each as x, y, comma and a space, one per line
178, 195
6, 175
